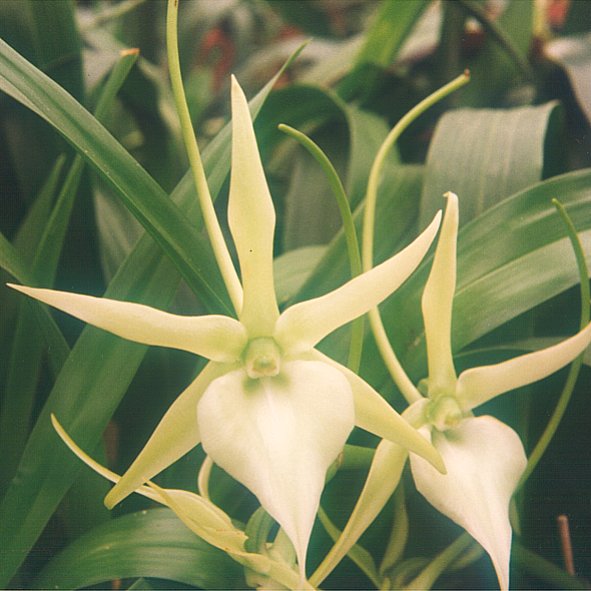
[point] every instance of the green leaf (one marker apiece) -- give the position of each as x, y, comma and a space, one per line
494, 70
388, 31
393, 21
485, 155
150, 543
138, 191
27, 348
293, 268
96, 376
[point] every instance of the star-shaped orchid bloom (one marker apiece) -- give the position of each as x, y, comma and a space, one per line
268, 408
484, 457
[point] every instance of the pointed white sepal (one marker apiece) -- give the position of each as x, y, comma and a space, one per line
303, 325
437, 303
251, 217
382, 480
176, 434
375, 415
278, 436
219, 338
484, 460
478, 385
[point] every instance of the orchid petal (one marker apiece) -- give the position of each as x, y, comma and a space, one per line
176, 434
219, 338
303, 325
251, 217
485, 460
212, 517
479, 384
207, 520
278, 436
437, 303
382, 480
375, 415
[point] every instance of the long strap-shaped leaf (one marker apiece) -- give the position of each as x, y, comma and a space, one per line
146, 200
149, 544
96, 376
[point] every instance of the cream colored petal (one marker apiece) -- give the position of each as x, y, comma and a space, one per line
375, 415
303, 325
219, 338
382, 480
278, 436
437, 303
484, 460
209, 521
251, 216
176, 434
479, 384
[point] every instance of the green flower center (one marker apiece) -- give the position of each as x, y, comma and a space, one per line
262, 358
444, 413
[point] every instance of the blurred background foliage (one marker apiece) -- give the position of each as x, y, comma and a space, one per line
515, 137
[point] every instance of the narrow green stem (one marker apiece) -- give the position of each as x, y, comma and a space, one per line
398, 374
356, 346
575, 368
427, 578
212, 225
399, 534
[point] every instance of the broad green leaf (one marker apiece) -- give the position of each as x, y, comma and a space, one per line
150, 543
140, 193
573, 54
96, 376
293, 268
485, 155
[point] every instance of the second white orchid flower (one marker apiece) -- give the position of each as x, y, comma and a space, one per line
269, 408
484, 457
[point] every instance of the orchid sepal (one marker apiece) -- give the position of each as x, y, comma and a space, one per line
176, 434
202, 517
216, 337
375, 415
304, 324
437, 302
480, 384
251, 217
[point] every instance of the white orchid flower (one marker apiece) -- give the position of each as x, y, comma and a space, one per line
484, 457
268, 408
